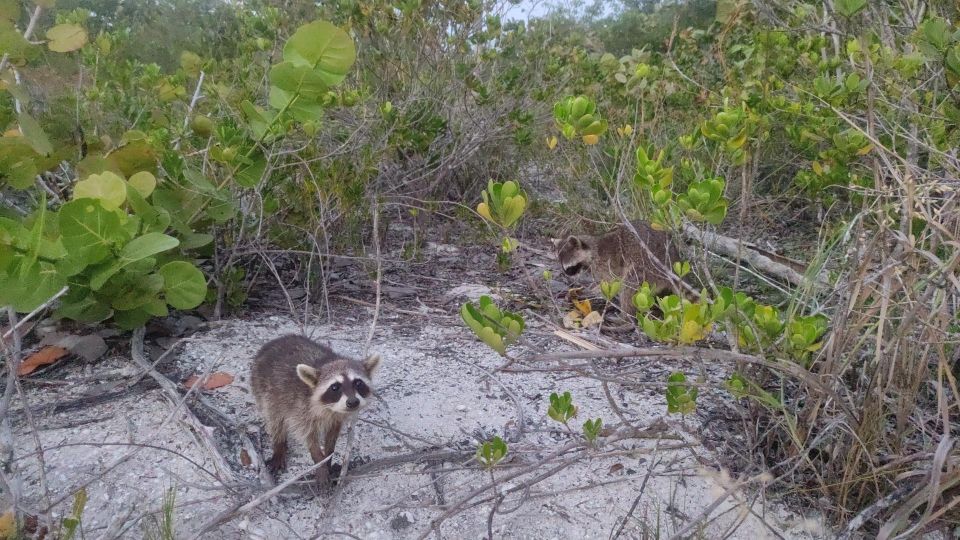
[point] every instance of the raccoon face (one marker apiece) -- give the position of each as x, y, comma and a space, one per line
341, 387
574, 254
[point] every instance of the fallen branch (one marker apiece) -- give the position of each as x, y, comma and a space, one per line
239, 510
735, 248
173, 396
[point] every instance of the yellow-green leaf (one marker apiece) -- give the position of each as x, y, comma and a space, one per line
144, 183
109, 188
66, 37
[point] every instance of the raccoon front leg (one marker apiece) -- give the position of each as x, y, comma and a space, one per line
278, 436
320, 452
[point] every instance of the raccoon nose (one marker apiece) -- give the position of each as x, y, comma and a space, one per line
353, 403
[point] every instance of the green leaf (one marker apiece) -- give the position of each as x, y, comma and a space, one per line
184, 285
258, 119
29, 283
107, 187
134, 156
250, 174
300, 81
87, 309
144, 182
147, 245
937, 32
13, 43
89, 230
129, 320
849, 8
323, 47
66, 37
302, 110
34, 134
136, 251
726, 9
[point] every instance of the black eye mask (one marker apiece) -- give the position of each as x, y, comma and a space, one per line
573, 270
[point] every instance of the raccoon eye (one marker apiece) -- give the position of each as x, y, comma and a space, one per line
358, 384
335, 387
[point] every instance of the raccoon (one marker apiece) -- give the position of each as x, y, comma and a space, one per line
620, 254
306, 390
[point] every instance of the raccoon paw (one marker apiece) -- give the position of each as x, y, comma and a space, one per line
277, 464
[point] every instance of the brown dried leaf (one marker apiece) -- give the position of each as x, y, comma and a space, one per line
43, 357
616, 468
245, 458
214, 381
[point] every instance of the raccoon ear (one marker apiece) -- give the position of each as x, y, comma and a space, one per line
371, 364
307, 374
557, 242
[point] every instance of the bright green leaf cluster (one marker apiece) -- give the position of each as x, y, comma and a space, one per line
731, 128
610, 289
681, 320
503, 203
681, 397
495, 327
704, 201
578, 116
492, 452
803, 336
561, 407
591, 429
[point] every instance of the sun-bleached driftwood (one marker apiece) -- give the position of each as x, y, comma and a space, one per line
732, 247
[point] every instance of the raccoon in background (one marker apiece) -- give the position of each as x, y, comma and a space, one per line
621, 254
306, 390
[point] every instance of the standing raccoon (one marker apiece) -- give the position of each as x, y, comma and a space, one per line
620, 254
306, 390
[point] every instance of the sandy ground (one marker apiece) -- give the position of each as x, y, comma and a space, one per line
438, 392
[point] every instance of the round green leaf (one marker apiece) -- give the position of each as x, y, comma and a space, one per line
183, 284
323, 47
88, 230
144, 182
109, 188
301, 80
66, 37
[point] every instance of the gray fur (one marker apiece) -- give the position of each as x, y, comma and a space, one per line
620, 254
292, 379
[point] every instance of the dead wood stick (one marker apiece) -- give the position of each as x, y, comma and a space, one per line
733, 247
240, 509
173, 396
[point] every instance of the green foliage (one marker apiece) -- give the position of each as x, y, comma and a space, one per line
681, 397
127, 242
804, 336
578, 116
610, 289
849, 8
503, 203
561, 407
644, 299
497, 328
704, 201
492, 452
591, 429
681, 320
